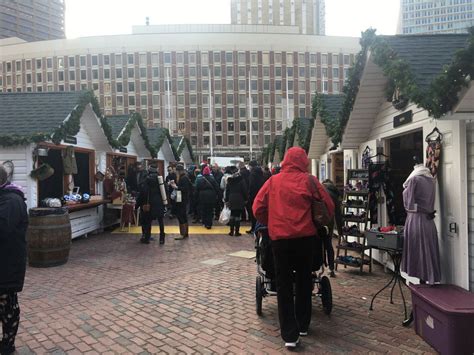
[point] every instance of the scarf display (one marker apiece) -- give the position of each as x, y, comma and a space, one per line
433, 156
379, 178
418, 170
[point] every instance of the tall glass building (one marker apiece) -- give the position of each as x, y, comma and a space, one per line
446, 16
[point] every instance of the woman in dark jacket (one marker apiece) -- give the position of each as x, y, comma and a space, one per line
150, 195
13, 225
184, 188
207, 191
236, 196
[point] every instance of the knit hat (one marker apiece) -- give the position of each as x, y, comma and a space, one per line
206, 171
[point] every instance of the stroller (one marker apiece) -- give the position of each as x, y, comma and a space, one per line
265, 283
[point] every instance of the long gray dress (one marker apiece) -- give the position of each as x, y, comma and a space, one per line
420, 250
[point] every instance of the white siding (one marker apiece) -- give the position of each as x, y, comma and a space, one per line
470, 185
22, 159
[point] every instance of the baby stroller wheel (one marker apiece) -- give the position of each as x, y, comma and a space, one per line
259, 290
326, 294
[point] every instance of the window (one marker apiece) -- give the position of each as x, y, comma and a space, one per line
106, 59
301, 58
156, 86
230, 112
230, 126
28, 78
289, 71
302, 85
289, 58
324, 59
131, 86
192, 71
143, 86
156, 73
243, 140
143, 100
179, 58
335, 72
142, 58
205, 72
28, 64
335, 87
218, 112
325, 86
39, 78
49, 76
229, 71
131, 100
130, 58
302, 99
83, 74
242, 71
230, 85
72, 61
18, 66
325, 72
217, 57
95, 60
118, 59
119, 87
143, 73
180, 85
217, 71
230, 140
278, 71
217, 85
266, 71
95, 74
241, 57
130, 72
253, 58
204, 58
335, 59
242, 112
217, 99
312, 58
253, 84
72, 75
156, 100
38, 63
205, 126
118, 73
192, 58
346, 59
106, 73
302, 72
205, 85
192, 85
243, 126
155, 59
192, 99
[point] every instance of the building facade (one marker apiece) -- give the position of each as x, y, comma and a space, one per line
308, 15
33, 20
446, 16
196, 80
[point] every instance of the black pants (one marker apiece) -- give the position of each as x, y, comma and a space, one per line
147, 220
328, 248
10, 317
207, 214
235, 218
294, 310
181, 212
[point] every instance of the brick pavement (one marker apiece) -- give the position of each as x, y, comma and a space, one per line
116, 295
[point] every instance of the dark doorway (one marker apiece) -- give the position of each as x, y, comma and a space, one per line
402, 150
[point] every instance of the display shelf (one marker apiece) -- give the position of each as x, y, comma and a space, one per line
355, 200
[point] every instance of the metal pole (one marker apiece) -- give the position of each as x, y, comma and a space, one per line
211, 123
287, 103
168, 99
250, 116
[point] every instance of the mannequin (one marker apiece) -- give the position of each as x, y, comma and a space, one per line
421, 251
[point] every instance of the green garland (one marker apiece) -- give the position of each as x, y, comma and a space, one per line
442, 94
439, 99
165, 134
183, 144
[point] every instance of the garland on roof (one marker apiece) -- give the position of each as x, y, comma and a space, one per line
70, 127
442, 94
185, 143
165, 134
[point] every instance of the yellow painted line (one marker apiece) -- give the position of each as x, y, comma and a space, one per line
175, 230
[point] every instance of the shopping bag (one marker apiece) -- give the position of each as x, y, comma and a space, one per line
224, 218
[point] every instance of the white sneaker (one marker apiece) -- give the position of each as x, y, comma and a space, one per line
270, 292
303, 334
292, 345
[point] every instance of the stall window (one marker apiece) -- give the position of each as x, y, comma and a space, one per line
82, 178
54, 185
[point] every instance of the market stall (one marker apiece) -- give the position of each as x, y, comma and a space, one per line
400, 111
55, 142
166, 153
184, 149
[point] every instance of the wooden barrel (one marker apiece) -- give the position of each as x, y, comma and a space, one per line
49, 237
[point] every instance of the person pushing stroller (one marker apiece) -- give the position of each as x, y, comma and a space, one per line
284, 205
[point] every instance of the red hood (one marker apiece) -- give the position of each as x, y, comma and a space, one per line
296, 160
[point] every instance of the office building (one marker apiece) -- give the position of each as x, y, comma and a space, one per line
307, 15
446, 16
193, 79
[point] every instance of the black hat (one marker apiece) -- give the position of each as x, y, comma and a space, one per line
253, 163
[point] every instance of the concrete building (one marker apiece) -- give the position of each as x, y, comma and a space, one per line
446, 16
33, 20
193, 79
308, 15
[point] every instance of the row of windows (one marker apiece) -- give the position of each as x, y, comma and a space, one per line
230, 140
71, 61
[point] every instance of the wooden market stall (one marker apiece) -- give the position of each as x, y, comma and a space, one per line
162, 143
404, 97
55, 141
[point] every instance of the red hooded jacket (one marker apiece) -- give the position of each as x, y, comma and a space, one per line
284, 201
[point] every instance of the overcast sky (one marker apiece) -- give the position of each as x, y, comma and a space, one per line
104, 17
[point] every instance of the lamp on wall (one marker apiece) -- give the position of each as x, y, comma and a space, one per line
40, 152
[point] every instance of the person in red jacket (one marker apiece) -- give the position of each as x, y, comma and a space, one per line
284, 205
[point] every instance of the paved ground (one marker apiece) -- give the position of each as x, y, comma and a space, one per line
116, 295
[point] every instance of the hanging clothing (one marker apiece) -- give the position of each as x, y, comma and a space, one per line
366, 160
433, 156
379, 178
420, 251
69, 161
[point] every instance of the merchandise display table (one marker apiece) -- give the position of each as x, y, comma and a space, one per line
396, 256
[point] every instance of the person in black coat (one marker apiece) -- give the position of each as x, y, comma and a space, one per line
256, 181
169, 178
207, 191
217, 174
135, 177
236, 196
184, 188
246, 175
13, 225
150, 195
